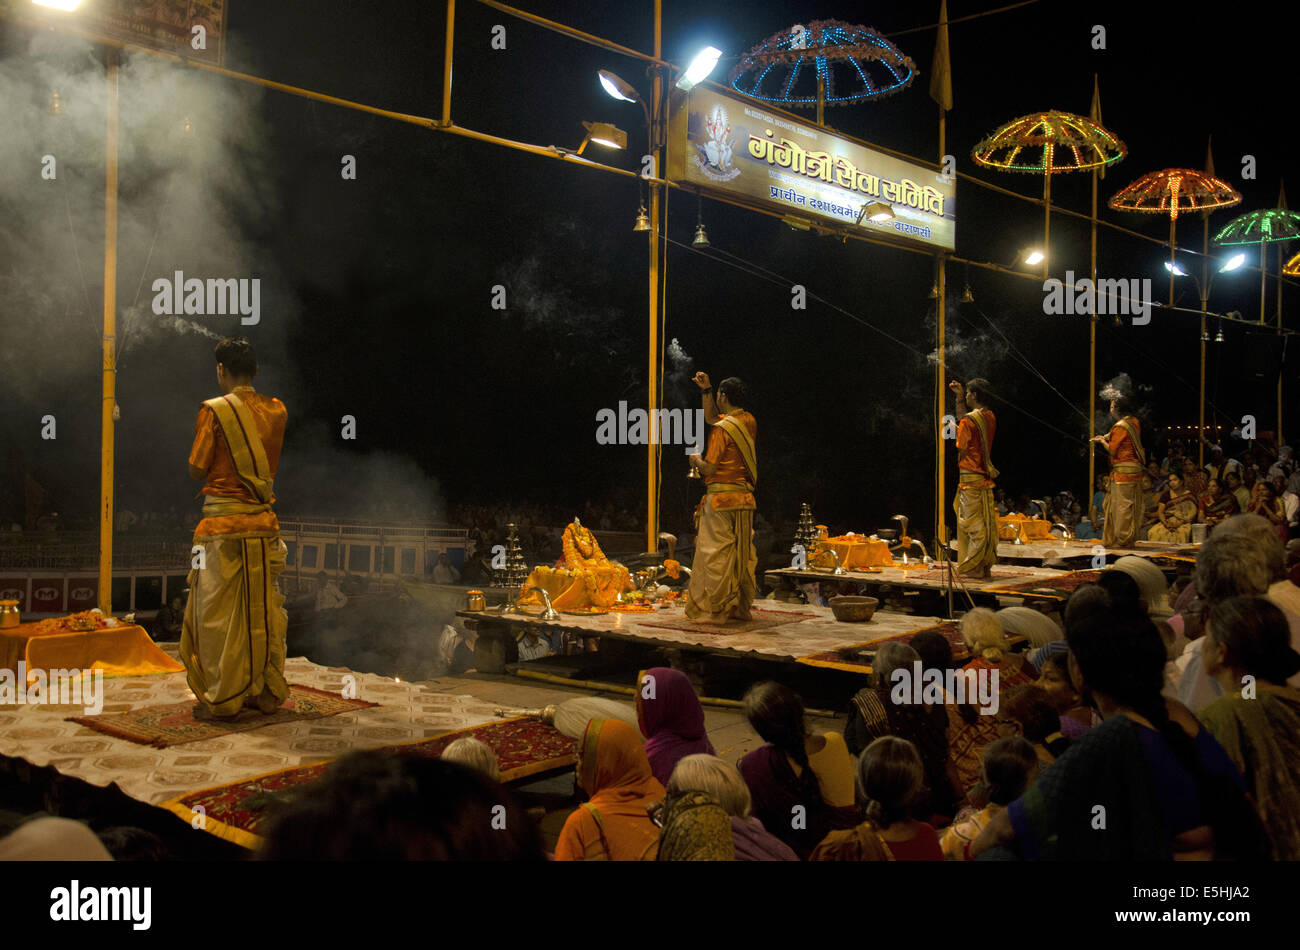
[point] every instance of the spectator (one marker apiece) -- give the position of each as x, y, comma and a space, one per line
475, 754
719, 779
671, 719
614, 823
377, 805
1008, 768
890, 779
444, 572
328, 595
170, 618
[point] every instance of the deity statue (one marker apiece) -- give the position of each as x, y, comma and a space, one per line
588, 578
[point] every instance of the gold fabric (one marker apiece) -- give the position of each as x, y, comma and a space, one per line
853, 552
977, 528
233, 638
1123, 514
722, 575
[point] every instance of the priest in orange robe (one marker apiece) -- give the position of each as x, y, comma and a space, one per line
977, 514
233, 634
1127, 460
723, 584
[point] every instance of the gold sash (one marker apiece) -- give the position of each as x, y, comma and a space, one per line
978, 418
715, 488
740, 435
246, 449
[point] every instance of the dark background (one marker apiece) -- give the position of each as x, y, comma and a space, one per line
376, 292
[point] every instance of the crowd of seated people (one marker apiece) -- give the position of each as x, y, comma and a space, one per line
1152, 723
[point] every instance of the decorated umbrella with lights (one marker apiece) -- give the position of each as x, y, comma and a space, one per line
1263, 228
825, 62
1173, 191
1049, 143
1292, 268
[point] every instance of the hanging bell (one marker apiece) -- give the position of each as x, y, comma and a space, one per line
701, 239
642, 220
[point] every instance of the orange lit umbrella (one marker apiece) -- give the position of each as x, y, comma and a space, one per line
1173, 191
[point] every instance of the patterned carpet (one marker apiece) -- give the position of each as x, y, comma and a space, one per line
1056, 588
237, 811
174, 723
774, 618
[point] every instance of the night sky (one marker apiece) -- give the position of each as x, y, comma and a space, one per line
376, 292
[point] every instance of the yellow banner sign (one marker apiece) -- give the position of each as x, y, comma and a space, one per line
195, 29
727, 143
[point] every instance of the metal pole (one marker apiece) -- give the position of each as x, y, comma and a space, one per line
1205, 302
1047, 214
942, 381
1173, 244
446, 66
1280, 440
652, 454
1092, 357
109, 392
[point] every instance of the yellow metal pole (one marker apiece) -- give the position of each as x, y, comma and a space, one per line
652, 455
1092, 358
1173, 244
942, 373
1047, 214
1280, 440
446, 65
1205, 302
106, 480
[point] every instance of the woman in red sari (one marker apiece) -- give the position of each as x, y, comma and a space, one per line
614, 823
1219, 503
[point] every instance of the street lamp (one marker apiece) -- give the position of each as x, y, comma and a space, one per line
1203, 293
67, 6
699, 69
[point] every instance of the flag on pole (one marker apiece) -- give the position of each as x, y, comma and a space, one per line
1094, 113
941, 74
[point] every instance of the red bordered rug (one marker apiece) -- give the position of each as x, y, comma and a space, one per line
174, 723
1056, 588
239, 810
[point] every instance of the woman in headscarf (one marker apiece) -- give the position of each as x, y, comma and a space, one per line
873, 713
1259, 727
969, 731
801, 784
719, 779
614, 823
1052, 662
890, 779
671, 719
1165, 787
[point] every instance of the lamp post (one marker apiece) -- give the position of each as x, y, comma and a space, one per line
618, 88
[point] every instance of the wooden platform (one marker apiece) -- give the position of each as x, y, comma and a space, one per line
1057, 550
780, 632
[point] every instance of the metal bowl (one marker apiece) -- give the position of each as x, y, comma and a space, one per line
853, 609
887, 534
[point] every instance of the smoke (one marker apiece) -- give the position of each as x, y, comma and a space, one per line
681, 372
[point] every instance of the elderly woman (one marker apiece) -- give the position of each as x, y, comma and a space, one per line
971, 731
1249, 641
874, 713
1032, 624
1009, 766
1166, 787
719, 780
614, 823
796, 769
671, 718
1150, 581
890, 779
1177, 510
